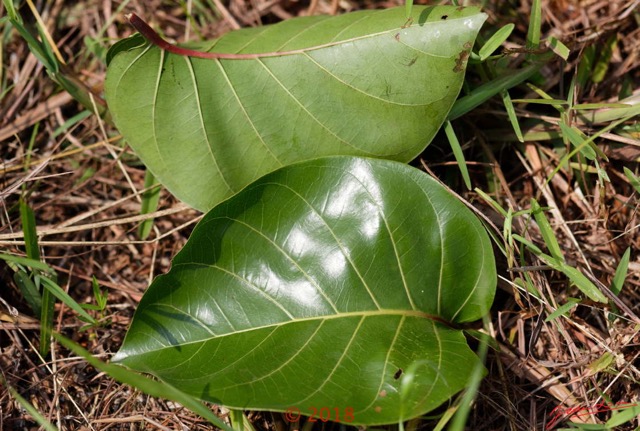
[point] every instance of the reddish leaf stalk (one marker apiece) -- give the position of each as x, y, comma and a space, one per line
151, 36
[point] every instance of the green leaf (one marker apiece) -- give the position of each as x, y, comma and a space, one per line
325, 303
356, 84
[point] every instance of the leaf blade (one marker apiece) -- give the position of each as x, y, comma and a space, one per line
330, 292
350, 85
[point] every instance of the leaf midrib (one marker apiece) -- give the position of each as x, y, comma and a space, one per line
252, 56
341, 315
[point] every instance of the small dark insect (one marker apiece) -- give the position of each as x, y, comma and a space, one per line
412, 62
397, 36
398, 374
408, 23
444, 17
507, 51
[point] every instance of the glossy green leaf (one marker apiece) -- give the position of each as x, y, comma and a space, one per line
368, 83
319, 285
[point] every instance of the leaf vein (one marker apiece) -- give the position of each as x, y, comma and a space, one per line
202, 126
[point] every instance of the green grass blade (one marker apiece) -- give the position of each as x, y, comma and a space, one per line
36, 47
575, 276
563, 309
574, 136
495, 41
548, 235
446, 417
145, 384
626, 414
29, 291
621, 273
457, 152
63, 296
458, 423
581, 282
47, 303
602, 65
150, 200
101, 297
486, 91
573, 152
25, 261
635, 181
511, 112
35, 414
607, 115
535, 23
531, 246
46, 319
491, 202
585, 67
554, 102
508, 232
589, 106
71, 122
559, 48
408, 4
28, 219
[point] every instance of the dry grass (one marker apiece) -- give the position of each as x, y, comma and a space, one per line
84, 187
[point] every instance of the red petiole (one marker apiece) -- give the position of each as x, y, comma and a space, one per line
153, 37
150, 35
